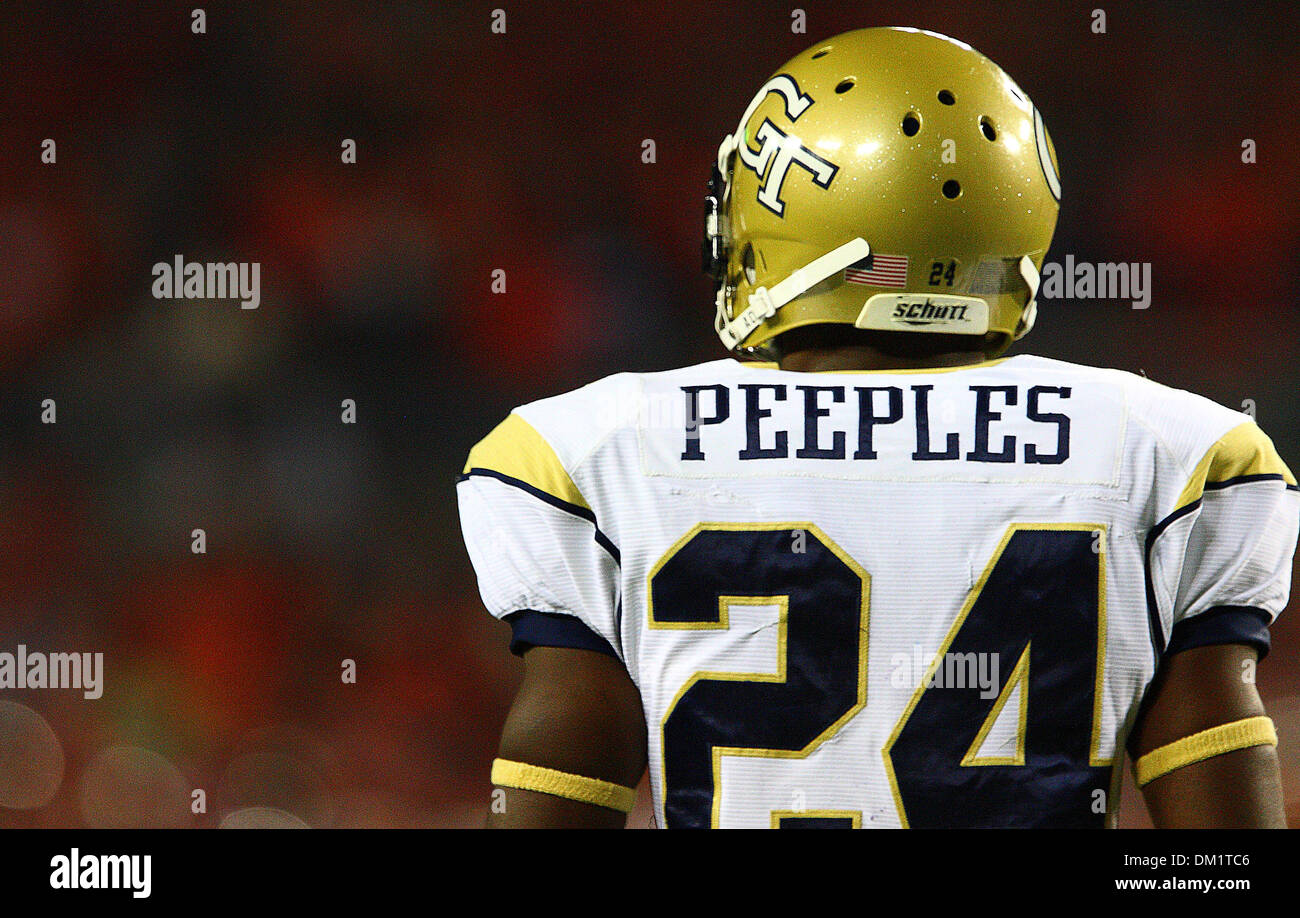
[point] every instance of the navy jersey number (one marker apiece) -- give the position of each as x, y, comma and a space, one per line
821, 598
1038, 607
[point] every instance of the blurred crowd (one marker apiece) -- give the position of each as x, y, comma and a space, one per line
476, 151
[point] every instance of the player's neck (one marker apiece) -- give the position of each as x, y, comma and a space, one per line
865, 357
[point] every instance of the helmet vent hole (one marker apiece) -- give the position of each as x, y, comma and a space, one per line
822, 53
845, 86
911, 124
747, 261
952, 189
987, 127
946, 97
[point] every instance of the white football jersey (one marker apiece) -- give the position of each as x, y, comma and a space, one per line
890, 598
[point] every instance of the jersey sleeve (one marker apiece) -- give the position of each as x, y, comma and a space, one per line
542, 562
1220, 562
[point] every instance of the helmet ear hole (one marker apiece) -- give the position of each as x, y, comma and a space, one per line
747, 262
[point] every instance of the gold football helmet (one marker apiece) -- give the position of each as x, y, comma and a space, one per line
890, 179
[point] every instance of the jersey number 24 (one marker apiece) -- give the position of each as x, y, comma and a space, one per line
1039, 604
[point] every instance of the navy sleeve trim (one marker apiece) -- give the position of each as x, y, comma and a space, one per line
584, 513
550, 629
1153, 613
1246, 479
1223, 625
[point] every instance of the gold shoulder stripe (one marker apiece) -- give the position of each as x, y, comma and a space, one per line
1225, 738
517, 450
562, 784
1244, 450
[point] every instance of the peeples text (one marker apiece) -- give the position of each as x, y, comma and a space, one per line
975, 427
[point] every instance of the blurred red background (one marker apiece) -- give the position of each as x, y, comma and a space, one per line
477, 151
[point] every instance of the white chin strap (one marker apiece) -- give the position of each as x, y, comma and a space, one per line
763, 303
1032, 279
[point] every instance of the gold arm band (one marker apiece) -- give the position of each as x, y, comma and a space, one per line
1240, 734
562, 784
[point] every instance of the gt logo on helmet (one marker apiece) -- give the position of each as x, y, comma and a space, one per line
778, 151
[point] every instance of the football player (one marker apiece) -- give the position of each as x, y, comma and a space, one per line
887, 577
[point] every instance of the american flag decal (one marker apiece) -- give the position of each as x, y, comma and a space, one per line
878, 270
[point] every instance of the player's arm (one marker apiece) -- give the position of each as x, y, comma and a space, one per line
577, 714
1204, 751
1196, 690
573, 748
